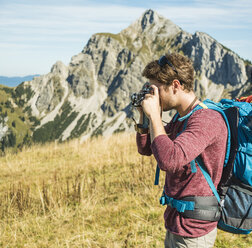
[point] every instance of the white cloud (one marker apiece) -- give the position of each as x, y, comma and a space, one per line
68, 14
22, 23
204, 16
52, 20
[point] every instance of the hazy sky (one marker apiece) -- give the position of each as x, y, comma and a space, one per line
35, 34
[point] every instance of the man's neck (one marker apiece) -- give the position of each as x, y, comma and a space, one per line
188, 101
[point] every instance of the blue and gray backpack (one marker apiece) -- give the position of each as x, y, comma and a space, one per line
231, 204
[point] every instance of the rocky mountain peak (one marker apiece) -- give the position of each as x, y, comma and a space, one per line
148, 18
59, 68
151, 23
91, 96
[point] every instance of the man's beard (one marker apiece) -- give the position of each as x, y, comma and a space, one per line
168, 108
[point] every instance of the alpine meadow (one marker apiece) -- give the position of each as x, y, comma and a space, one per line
96, 194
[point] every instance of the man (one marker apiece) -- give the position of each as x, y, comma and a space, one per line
180, 142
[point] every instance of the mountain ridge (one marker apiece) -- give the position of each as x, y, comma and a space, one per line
91, 95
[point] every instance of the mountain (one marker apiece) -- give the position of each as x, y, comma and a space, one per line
91, 96
15, 81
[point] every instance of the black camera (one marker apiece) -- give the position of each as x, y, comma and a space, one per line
137, 98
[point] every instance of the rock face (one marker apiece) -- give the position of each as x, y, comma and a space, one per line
3, 127
91, 96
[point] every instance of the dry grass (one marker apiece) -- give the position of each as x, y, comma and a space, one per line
96, 194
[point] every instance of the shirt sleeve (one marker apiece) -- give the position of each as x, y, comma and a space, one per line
144, 142
202, 129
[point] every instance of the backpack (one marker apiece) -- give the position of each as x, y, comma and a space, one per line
231, 204
245, 99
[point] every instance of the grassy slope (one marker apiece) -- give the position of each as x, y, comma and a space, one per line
96, 194
21, 128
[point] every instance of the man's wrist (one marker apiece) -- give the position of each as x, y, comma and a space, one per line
156, 126
140, 129
154, 117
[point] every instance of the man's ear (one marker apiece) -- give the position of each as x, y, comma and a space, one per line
176, 85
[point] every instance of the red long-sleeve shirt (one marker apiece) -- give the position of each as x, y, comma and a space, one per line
205, 135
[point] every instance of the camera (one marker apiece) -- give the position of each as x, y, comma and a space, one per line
137, 98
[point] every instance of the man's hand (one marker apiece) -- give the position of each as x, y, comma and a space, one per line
151, 104
151, 107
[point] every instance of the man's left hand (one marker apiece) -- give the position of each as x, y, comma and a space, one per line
151, 103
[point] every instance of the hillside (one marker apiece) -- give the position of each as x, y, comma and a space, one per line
82, 195
15, 126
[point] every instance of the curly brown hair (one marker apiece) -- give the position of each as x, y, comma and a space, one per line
182, 71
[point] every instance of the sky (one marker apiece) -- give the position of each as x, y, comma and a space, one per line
34, 34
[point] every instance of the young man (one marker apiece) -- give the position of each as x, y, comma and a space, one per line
204, 135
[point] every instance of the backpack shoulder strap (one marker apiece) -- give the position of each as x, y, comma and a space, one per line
207, 177
219, 108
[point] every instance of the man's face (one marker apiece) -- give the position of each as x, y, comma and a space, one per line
166, 95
